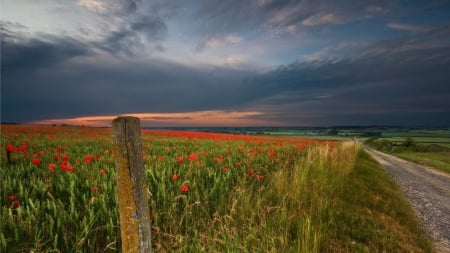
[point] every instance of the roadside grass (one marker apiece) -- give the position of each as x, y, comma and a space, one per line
434, 155
437, 160
372, 214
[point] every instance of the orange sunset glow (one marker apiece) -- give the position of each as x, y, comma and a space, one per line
197, 118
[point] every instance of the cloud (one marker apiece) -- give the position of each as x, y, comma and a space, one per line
392, 78
21, 55
125, 68
275, 17
134, 37
215, 41
110, 7
382, 79
323, 19
408, 27
94, 5
131, 27
65, 73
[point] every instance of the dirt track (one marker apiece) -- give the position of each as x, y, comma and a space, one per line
428, 191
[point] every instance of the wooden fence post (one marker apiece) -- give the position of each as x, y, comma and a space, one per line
131, 186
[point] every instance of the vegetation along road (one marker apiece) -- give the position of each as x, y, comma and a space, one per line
428, 191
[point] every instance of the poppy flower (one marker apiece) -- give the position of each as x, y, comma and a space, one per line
66, 157
65, 166
192, 158
16, 203
24, 147
180, 160
175, 176
9, 148
102, 171
94, 188
88, 158
36, 161
11, 197
184, 188
51, 167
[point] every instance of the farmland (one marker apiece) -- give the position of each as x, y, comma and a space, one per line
208, 192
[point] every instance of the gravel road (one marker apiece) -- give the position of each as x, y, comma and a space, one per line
428, 191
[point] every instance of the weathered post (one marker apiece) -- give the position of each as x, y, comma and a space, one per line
131, 187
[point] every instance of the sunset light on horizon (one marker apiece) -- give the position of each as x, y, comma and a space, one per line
188, 119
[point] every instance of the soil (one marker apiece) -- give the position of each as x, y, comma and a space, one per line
428, 191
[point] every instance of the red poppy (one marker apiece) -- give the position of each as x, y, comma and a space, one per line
184, 188
102, 171
260, 177
192, 158
51, 167
175, 176
9, 148
36, 161
94, 188
65, 166
24, 147
218, 159
180, 160
66, 157
68, 168
251, 172
16, 203
11, 197
88, 158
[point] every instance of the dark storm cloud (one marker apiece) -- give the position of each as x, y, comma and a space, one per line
407, 76
50, 90
133, 36
21, 55
133, 26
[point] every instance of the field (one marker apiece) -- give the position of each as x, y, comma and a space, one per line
208, 192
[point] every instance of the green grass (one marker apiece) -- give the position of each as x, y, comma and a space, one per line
437, 160
372, 215
436, 156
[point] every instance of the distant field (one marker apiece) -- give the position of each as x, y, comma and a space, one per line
443, 141
440, 137
420, 137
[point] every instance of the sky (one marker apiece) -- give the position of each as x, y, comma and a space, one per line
226, 62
